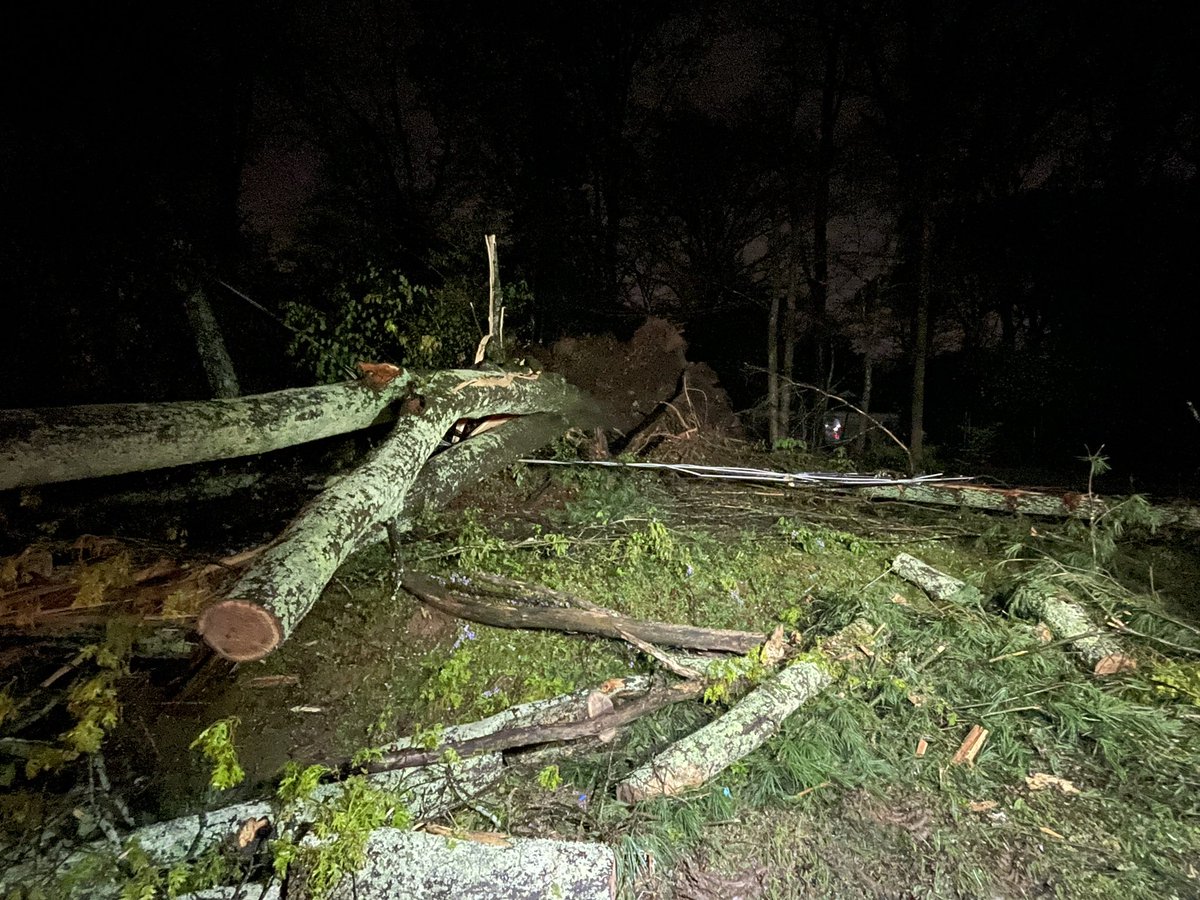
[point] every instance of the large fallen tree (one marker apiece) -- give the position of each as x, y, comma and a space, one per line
283, 582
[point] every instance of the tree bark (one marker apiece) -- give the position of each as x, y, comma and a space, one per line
1069, 621
42, 446
283, 583
916, 443
691, 762
773, 416
490, 867
605, 623
937, 585
210, 345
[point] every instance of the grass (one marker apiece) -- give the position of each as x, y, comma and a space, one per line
837, 803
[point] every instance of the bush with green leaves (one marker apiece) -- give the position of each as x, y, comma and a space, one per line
379, 315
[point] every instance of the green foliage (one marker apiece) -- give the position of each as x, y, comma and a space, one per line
449, 683
339, 835
814, 539
215, 743
478, 548
723, 674
297, 783
603, 497
91, 701
549, 778
1175, 680
379, 315
141, 878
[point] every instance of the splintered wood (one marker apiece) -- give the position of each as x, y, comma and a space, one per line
971, 746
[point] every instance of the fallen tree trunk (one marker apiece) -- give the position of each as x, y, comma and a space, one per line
453, 601
432, 792
1067, 504
490, 867
1070, 622
690, 762
448, 473
42, 446
282, 584
936, 584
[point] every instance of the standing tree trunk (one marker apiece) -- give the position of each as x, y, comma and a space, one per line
773, 434
921, 338
210, 344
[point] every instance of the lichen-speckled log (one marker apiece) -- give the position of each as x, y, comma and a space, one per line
978, 496
936, 584
282, 584
432, 867
42, 446
695, 759
1066, 619
466, 463
1066, 504
430, 792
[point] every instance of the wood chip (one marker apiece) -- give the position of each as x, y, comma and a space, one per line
1113, 664
1040, 781
982, 805
922, 746
249, 831
971, 746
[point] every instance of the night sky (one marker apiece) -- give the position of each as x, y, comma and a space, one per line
1034, 163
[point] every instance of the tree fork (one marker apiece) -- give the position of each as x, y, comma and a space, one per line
282, 584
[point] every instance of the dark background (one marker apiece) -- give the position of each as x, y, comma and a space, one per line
687, 159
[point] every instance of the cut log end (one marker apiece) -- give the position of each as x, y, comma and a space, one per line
240, 631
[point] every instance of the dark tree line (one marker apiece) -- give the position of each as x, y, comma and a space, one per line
982, 216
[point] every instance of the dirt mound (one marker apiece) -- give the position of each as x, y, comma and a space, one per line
632, 380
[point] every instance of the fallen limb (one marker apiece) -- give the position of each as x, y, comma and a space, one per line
1070, 622
489, 867
448, 473
453, 600
281, 585
510, 588
937, 585
690, 762
532, 735
1065, 504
